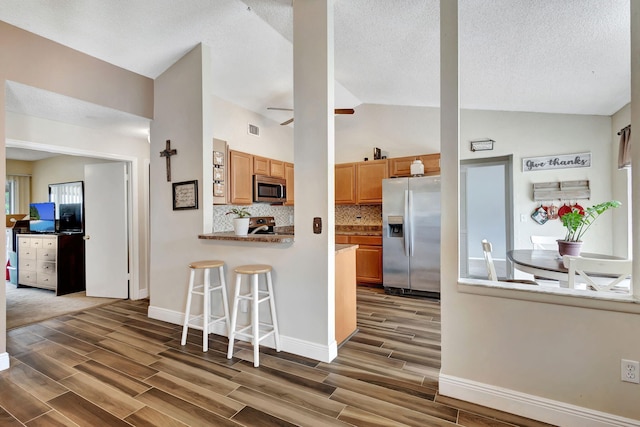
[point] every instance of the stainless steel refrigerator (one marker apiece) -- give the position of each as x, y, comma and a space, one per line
411, 235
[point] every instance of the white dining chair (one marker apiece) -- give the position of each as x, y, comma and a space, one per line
544, 242
599, 274
491, 268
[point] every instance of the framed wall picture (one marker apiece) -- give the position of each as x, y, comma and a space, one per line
185, 195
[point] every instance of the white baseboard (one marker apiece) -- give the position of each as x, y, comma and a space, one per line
527, 405
291, 345
4, 361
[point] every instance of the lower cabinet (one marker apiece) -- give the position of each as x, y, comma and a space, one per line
368, 257
53, 262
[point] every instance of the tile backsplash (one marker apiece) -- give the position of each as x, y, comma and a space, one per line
358, 214
222, 222
345, 215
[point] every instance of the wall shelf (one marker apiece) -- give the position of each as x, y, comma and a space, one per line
561, 190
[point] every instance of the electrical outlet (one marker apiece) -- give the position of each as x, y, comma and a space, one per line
630, 371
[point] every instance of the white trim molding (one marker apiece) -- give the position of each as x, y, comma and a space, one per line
527, 405
291, 345
4, 361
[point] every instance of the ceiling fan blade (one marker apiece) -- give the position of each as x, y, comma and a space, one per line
279, 109
287, 122
344, 111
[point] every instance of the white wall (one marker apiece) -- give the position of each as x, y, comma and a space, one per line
57, 169
230, 124
180, 116
517, 133
32, 60
621, 188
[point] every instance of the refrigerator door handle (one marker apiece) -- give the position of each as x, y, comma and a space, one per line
405, 220
410, 215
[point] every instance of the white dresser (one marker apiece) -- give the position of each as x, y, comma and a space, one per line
53, 262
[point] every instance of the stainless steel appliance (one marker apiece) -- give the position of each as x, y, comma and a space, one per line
411, 235
269, 189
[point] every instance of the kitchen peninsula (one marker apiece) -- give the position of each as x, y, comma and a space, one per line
345, 277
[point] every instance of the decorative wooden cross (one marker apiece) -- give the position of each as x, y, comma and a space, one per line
168, 152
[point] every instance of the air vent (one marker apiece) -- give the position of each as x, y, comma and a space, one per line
253, 130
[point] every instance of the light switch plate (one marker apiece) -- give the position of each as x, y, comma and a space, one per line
317, 225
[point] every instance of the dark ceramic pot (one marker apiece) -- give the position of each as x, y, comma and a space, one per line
569, 248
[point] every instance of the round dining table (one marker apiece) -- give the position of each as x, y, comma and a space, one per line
546, 263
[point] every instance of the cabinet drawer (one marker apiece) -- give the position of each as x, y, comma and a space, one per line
26, 253
30, 242
49, 242
366, 240
27, 277
27, 264
44, 254
342, 239
46, 267
46, 280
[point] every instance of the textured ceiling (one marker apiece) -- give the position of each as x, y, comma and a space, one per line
557, 56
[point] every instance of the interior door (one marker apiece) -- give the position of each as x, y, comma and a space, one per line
486, 213
106, 234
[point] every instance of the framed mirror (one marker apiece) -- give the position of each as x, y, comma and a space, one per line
69, 206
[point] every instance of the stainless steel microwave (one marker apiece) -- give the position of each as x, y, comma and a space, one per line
268, 189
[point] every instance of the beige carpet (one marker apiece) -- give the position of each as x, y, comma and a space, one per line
30, 305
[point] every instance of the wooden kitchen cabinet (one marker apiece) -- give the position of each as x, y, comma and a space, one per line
401, 166
345, 184
276, 168
369, 176
345, 295
241, 174
261, 165
268, 167
368, 257
288, 176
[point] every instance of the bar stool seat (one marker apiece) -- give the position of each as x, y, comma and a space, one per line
206, 320
256, 331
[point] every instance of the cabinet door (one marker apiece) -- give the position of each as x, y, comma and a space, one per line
288, 172
401, 166
345, 184
241, 171
276, 168
369, 264
431, 163
261, 166
369, 180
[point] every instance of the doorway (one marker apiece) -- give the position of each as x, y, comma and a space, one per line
486, 212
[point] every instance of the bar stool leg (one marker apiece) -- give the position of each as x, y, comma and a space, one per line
272, 306
234, 316
225, 300
187, 312
255, 320
206, 309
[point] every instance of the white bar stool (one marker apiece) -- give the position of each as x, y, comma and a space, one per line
206, 320
256, 330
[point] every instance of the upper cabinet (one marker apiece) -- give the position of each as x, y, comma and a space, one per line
288, 176
240, 173
369, 181
268, 167
401, 166
361, 182
345, 184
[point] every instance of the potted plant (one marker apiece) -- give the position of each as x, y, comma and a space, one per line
577, 223
241, 221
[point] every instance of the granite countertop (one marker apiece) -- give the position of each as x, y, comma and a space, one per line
359, 230
264, 238
340, 248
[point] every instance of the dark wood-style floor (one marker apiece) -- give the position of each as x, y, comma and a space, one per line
112, 366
